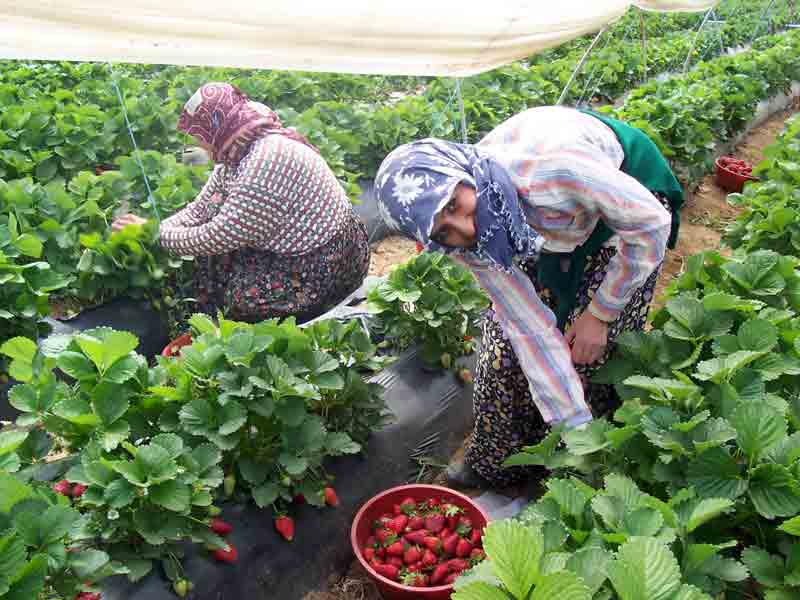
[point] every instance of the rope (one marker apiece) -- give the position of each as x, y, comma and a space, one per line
461, 108
596, 87
579, 66
136, 156
694, 41
590, 78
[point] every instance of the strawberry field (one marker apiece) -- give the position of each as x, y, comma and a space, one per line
121, 466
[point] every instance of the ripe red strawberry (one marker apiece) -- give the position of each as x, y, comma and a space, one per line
445, 533
397, 510
78, 490
285, 526
475, 537
64, 488
457, 565
396, 561
420, 247
398, 524
416, 522
382, 522
434, 544
464, 526
380, 553
450, 544
414, 568
477, 555
220, 527
371, 542
433, 503
376, 561
388, 571
227, 556
434, 523
395, 549
368, 553
450, 579
465, 375
408, 505
331, 499
416, 537
89, 596
439, 574
463, 548
299, 499
385, 536
412, 555
429, 559
451, 512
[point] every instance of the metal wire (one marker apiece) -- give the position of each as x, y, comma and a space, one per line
136, 156
579, 66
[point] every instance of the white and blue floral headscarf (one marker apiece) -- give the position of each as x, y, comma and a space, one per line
417, 180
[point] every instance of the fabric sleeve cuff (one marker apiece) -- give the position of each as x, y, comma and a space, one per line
578, 419
604, 314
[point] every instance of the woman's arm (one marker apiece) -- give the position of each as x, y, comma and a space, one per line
577, 181
239, 223
193, 214
541, 349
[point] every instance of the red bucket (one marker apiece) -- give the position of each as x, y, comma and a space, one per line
729, 180
384, 503
174, 347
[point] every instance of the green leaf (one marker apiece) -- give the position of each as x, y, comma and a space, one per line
29, 581
110, 401
294, 465
715, 474
77, 366
757, 335
516, 551
590, 439
108, 347
774, 491
266, 494
705, 511
203, 324
482, 572
338, 443
563, 585
87, 563
766, 569
758, 427
122, 370
645, 569
11, 440
172, 495
591, 564
119, 493
792, 526
479, 591
571, 498
29, 245
21, 351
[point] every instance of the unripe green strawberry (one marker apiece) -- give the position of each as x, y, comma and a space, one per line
229, 484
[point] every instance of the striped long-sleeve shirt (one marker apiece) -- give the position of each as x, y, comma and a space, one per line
282, 198
566, 167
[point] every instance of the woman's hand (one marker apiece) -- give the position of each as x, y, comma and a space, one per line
129, 219
588, 337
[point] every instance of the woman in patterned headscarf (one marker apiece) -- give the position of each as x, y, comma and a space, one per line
564, 217
273, 231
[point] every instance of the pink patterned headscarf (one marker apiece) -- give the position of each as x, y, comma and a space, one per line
223, 117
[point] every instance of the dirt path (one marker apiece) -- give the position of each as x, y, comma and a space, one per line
704, 219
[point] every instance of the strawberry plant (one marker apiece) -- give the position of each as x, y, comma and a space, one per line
45, 552
432, 300
272, 400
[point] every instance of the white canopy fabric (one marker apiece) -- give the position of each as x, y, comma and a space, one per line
401, 37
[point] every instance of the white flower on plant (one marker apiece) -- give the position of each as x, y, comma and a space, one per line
407, 188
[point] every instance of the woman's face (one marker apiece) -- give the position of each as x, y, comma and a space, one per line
456, 225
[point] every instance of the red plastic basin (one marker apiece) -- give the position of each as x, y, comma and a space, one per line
174, 347
730, 181
383, 503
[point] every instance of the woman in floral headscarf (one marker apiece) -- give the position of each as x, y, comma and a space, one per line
564, 217
273, 231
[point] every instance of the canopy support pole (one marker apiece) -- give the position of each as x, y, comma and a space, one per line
579, 66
